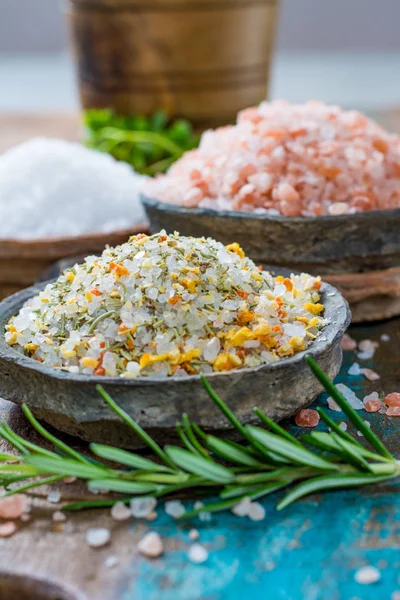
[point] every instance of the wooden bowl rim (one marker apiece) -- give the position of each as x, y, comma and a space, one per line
147, 201
336, 311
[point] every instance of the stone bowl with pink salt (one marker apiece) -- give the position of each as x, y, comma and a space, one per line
309, 187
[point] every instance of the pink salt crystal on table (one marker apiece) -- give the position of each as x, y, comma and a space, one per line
371, 375
393, 399
348, 343
13, 507
372, 406
307, 417
393, 411
151, 545
7, 529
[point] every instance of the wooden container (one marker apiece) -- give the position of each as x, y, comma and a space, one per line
201, 59
359, 254
22, 262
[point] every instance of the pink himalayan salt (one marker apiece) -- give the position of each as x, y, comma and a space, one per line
7, 529
393, 411
13, 507
307, 418
371, 375
151, 545
372, 406
289, 159
393, 399
348, 343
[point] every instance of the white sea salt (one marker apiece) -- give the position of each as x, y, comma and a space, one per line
197, 553
242, 508
350, 396
174, 508
193, 535
59, 517
54, 497
367, 575
151, 545
120, 512
142, 507
355, 369
64, 189
385, 337
256, 511
96, 538
111, 561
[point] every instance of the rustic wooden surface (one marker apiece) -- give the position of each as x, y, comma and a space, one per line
308, 552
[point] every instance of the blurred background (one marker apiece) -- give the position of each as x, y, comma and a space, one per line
346, 51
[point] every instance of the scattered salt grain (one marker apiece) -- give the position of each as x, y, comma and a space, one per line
151, 545
152, 516
197, 554
69, 480
256, 512
120, 512
42, 175
174, 508
7, 529
333, 405
25, 517
193, 535
348, 343
111, 561
385, 337
371, 375
307, 417
355, 369
393, 399
97, 538
343, 426
13, 507
350, 396
367, 349
367, 575
203, 516
372, 403
54, 497
142, 507
393, 411
59, 517
241, 509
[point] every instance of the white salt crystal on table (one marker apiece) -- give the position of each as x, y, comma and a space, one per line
174, 508
51, 188
96, 538
355, 369
367, 575
197, 553
151, 545
142, 507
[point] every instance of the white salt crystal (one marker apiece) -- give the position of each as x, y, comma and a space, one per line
197, 553
64, 189
385, 337
242, 508
111, 561
151, 545
54, 497
372, 396
355, 369
96, 538
59, 517
174, 508
212, 349
350, 396
367, 575
193, 535
256, 511
203, 516
343, 426
142, 507
120, 512
333, 405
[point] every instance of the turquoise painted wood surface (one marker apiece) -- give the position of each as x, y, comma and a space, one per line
309, 551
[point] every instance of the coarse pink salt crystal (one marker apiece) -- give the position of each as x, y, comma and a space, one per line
393, 411
151, 545
338, 208
13, 507
372, 406
307, 417
348, 343
371, 375
393, 399
7, 529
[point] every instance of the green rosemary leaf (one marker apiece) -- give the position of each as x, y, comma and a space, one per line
135, 427
335, 427
19, 468
288, 473
123, 486
292, 452
329, 482
275, 427
51, 438
10, 457
67, 467
199, 465
34, 484
126, 458
11, 440
234, 491
26, 444
86, 504
192, 438
183, 437
171, 478
352, 454
232, 453
347, 409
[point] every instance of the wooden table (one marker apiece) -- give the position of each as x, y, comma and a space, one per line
309, 551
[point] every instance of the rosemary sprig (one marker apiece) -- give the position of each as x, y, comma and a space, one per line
265, 462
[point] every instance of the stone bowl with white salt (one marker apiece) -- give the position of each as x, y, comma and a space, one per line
146, 319
309, 187
60, 199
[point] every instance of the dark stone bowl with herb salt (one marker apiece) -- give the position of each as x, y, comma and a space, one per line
69, 401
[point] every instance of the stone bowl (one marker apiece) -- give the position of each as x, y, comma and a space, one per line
71, 403
346, 250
